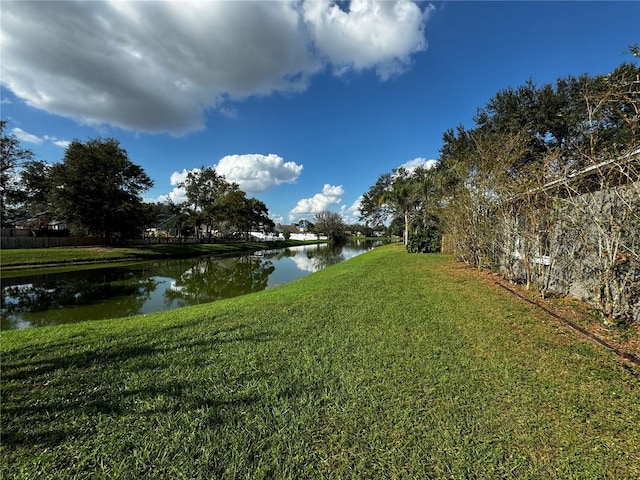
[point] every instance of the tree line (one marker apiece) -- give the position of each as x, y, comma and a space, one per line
544, 188
97, 190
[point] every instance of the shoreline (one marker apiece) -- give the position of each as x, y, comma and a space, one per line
126, 254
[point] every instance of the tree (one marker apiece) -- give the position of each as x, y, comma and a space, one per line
37, 184
331, 224
244, 215
205, 190
405, 199
425, 231
388, 201
259, 217
215, 203
12, 158
545, 189
98, 188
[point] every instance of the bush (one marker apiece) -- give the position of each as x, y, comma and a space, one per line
424, 242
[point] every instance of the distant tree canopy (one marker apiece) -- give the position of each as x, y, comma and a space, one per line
97, 189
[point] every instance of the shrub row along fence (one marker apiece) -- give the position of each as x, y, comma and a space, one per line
577, 236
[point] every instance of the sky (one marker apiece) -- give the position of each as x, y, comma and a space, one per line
303, 103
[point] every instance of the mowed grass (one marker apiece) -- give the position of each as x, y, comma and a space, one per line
386, 366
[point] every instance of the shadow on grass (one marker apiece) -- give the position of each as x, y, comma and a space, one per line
26, 363
47, 392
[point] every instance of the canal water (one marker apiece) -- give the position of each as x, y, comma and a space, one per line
111, 292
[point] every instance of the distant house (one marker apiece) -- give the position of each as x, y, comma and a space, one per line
299, 232
40, 221
57, 225
163, 227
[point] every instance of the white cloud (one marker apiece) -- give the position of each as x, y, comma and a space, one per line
60, 143
257, 173
158, 66
26, 136
411, 165
179, 177
178, 194
308, 207
351, 214
371, 34
277, 219
254, 173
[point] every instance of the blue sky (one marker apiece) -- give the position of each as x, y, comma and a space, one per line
304, 104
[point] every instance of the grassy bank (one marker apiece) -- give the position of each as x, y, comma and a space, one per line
39, 257
388, 365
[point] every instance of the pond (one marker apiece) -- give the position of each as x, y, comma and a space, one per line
121, 291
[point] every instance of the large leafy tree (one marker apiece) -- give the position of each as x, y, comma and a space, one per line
214, 203
37, 183
244, 215
389, 201
258, 216
205, 189
12, 158
98, 188
375, 209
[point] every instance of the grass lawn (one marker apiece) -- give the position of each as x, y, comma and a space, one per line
386, 366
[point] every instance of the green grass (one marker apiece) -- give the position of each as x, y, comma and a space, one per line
386, 366
38, 257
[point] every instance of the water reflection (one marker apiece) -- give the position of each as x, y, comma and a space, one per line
212, 279
39, 300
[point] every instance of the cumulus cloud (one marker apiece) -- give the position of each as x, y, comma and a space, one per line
411, 165
308, 207
178, 194
277, 219
60, 143
257, 173
379, 35
351, 214
158, 66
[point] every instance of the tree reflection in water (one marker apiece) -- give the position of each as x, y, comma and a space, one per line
54, 299
326, 257
212, 279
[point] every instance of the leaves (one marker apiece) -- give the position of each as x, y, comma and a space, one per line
99, 188
216, 204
